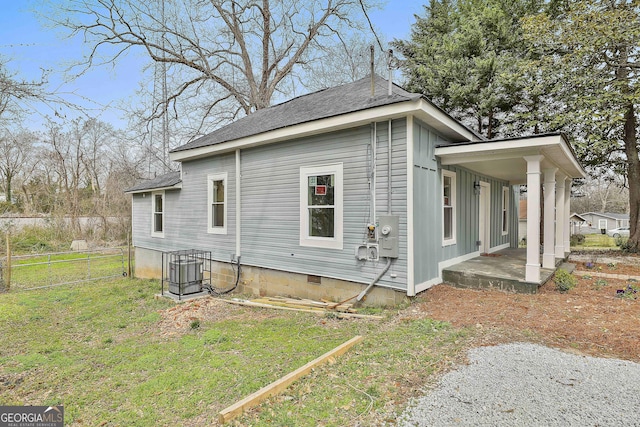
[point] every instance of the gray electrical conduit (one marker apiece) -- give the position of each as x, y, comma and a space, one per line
362, 294
374, 281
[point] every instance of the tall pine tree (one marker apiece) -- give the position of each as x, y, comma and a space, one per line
463, 55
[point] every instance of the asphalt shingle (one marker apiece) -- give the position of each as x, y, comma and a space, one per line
162, 181
323, 104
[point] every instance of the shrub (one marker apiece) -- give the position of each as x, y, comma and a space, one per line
626, 246
577, 239
564, 280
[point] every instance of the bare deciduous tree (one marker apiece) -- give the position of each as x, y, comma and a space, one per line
15, 151
237, 53
606, 193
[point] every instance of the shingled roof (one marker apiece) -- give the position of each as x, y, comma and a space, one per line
323, 104
166, 180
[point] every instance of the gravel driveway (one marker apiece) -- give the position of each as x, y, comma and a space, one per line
531, 385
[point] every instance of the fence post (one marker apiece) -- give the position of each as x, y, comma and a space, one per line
7, 282
129, 255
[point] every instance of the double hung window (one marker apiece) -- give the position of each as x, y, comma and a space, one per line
157, 214
505, 210
321, 206
448, 207
217, 203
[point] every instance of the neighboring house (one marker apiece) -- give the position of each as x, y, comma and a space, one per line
578, 223
596, 222
340, 190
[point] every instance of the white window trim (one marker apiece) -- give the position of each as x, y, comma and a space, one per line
210, 179
153, 213
505, 214
321, 242
452, 175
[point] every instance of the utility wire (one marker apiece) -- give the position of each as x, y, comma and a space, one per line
364, 9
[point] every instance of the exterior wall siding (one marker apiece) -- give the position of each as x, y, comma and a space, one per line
514, 215
141, 219
186, 212
270, 205
467, 217
428, 246
427, 218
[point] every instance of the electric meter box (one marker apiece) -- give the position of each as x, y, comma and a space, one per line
388, 228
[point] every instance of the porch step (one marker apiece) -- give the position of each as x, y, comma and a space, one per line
567, 266
472, 280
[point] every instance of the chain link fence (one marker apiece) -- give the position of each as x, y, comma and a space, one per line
29, 272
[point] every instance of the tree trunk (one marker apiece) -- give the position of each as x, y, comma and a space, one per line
8, 194
633, 176
490, 125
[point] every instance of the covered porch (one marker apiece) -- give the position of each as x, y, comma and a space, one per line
504, 270
546, 164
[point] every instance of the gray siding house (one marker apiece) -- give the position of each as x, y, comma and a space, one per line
343, 191
598, 221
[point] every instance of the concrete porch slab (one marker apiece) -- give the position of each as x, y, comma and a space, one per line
504, 270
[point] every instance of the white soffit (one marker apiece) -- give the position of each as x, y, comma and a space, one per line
504, 159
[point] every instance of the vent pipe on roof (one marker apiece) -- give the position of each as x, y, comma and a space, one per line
373, 83
389, 63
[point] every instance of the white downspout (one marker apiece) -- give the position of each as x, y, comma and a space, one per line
238, 205
389, 160
411, 286
374, 172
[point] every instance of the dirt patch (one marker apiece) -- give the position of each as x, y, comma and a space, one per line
590, 318
184, 316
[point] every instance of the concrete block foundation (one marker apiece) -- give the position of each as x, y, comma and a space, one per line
260, 282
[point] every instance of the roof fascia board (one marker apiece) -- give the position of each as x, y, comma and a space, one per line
431, 110
418, 107
602, 215
148, 190
466, 153
572, 158
490, 146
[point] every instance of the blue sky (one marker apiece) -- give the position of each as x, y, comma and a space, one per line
31, 48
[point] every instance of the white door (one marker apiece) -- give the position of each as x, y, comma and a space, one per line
602, 224
484, 217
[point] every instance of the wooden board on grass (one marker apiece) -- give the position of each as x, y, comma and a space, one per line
278, 386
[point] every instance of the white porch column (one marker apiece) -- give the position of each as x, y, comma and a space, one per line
567, 215
532, 269
549, 255
560, 216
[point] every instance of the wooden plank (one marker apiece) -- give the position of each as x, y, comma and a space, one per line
278, 386
285, 304
317, 312
294, 301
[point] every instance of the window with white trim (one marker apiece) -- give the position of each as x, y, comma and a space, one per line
157, 214
217, 203
448, 207
505, 210
321, 206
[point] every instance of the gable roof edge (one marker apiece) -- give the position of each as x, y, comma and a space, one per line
420, 107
